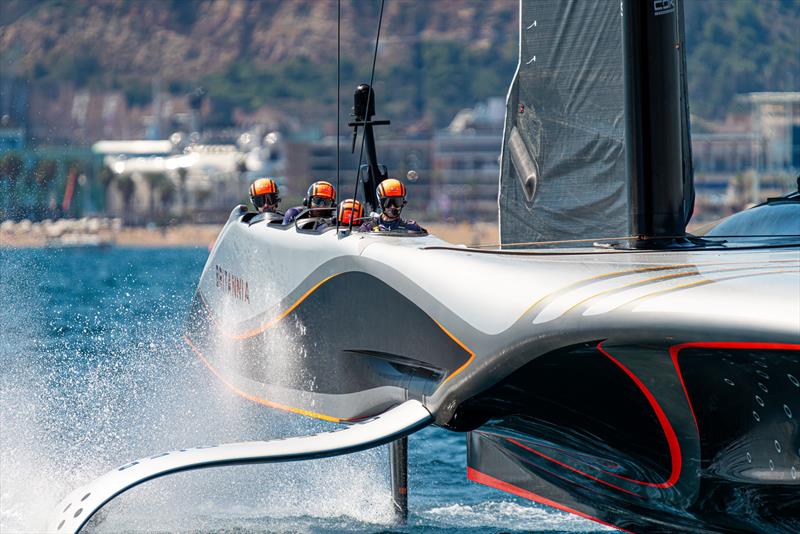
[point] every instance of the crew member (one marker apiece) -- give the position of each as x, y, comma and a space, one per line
350, 210
320, 195
264, 195
392, 198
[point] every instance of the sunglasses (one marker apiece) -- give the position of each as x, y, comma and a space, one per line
265, 199
319, 202
394, 202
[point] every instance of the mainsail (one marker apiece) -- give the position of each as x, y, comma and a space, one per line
563, 170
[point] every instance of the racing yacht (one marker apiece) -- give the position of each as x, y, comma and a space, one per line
603, 361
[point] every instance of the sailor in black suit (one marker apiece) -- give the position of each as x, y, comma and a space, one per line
392, 197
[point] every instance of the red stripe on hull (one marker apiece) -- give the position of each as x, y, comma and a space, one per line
486, 480
566, 466
669, 432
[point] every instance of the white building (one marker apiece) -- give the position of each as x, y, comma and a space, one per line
466, 162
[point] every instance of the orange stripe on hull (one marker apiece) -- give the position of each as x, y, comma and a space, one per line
253, 398
460, 344
269, 324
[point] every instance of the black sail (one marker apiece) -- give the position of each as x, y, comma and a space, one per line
569, 148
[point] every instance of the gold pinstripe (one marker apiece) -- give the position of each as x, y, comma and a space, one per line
705, 282
625, 272
646, 281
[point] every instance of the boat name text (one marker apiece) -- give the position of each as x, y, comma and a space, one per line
233, 285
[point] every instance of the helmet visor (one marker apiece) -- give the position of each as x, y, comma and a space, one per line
394, 202
259, 201
321, 202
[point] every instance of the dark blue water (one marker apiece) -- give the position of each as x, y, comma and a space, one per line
94, 374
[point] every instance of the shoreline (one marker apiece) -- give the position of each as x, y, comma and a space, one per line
192, 235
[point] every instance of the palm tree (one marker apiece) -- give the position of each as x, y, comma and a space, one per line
44, 173
126, 187
106, 176
10, 170
154, 181
166, 195
183, 172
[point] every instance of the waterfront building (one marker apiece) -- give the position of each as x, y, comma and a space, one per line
753, 155
466, 163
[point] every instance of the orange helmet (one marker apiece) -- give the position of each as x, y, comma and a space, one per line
350, 210
391, 188
264, 191
392, 192
323, 191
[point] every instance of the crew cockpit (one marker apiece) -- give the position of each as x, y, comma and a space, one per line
319, 211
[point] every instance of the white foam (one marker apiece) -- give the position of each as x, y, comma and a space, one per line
69, 414
500, 515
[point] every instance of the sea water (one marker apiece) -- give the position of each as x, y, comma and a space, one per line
93, 373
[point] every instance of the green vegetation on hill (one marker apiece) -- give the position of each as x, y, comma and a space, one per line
740, 46
436, 60
446, 78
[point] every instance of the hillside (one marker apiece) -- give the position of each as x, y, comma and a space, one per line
740, 46
436, 57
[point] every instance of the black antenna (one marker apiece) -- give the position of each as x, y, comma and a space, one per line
363, 111
366, 122
338, 89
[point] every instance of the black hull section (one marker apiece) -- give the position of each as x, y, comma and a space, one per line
346, 342
595, 430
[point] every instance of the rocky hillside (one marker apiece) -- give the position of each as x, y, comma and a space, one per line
192, 38
436, 56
